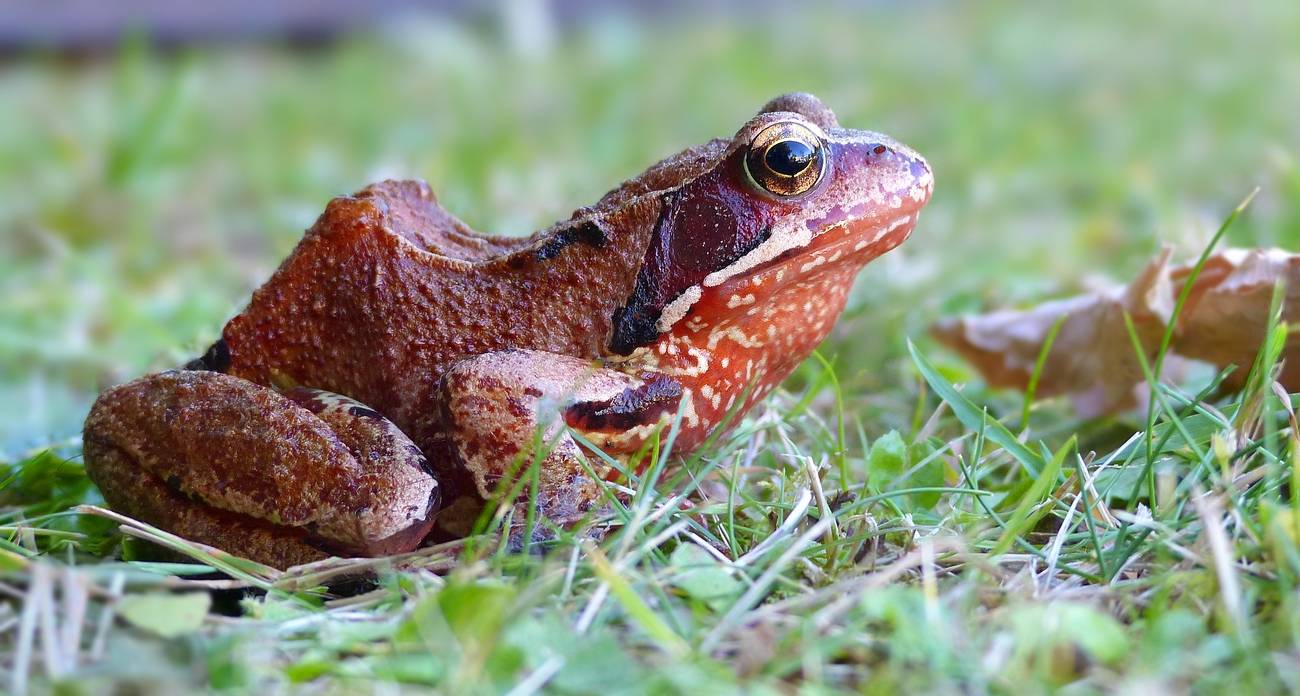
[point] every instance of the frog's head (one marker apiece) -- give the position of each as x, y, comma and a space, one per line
792, 196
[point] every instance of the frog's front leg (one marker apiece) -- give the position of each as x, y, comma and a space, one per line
280, 477
494, 409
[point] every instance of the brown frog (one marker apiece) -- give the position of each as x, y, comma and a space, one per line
398, 362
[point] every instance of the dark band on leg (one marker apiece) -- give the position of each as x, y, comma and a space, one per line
641, 406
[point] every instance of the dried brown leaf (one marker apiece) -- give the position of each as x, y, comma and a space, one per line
1093, 360
1226, 314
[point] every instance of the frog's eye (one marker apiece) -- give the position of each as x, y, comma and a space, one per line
785, 159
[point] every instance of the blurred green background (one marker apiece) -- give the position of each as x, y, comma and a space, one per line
145, 190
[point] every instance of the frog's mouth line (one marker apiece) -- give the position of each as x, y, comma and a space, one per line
781, 241
783, 244
829, 248
771, 267
855, 237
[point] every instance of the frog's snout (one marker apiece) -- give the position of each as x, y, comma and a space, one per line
922, 176
883, 171
901, 178
920, 168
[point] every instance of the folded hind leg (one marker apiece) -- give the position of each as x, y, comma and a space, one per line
282, 478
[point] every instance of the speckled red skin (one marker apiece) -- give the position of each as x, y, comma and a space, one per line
679, 289
802, 313
757, 327
362, 309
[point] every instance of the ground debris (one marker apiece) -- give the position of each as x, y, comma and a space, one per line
1093, 360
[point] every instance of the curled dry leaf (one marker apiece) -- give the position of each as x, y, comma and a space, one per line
1093, 359
1226, 313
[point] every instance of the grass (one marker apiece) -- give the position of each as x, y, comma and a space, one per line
884, 525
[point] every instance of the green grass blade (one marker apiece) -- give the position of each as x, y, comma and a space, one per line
1022, 519
973, 418
1039, 364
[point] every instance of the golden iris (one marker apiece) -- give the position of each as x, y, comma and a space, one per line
785, 159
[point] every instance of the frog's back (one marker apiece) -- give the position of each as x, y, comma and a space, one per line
388, 290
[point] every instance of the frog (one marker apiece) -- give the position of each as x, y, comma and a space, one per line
400, 374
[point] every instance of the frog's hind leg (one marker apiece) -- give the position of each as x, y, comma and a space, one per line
154, 502
282, 478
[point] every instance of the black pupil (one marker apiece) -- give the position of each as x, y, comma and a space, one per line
789, 157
